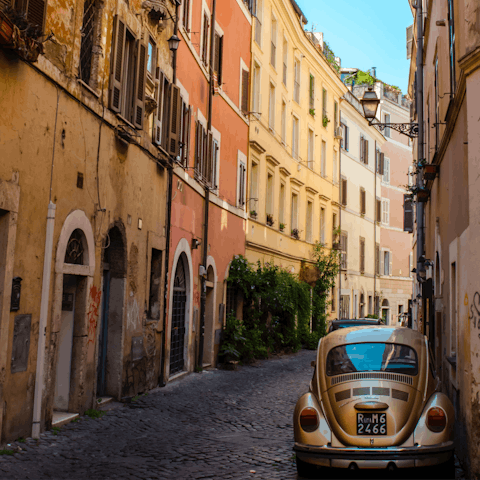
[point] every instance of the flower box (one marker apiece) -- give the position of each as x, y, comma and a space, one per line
430, 171
6, 30
422, 195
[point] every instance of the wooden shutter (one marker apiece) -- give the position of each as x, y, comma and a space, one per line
361, 148
363, 206
381, 169
245, 79
220, 60
139, 111
379, 210
116, 64
174, 123
407, 214
36, 12
344, 191
158, 115
362, 255
365, 151
205, 39
186, 141
197, 144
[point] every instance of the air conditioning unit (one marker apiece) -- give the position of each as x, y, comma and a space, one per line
338, 133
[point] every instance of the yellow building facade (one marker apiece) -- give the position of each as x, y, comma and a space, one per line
293, 164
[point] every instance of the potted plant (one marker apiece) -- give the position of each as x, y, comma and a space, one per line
325, 120
422, 195
312, 112
282, 227
270, 220
253, 213
295, 233
430, 171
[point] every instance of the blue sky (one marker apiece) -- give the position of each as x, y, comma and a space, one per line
365, 34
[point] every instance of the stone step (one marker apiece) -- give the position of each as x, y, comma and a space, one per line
62, 418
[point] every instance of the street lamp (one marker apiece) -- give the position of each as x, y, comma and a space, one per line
173, 43
370, 103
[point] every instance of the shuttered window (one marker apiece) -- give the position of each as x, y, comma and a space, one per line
363, 201
34, 9
242, 177
186, 115
245, 90
128, 75
218, 59
362, 255
186, 15
175, 118
343, 191
386, 170
296, 81
206, 156
204, 53
386, 211
343, 251
407, 214
380, 159
88, 35
363, 150
344, 140
378, 210
377, 259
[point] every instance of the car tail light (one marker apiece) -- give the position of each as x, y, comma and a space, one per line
436, 419
309, 419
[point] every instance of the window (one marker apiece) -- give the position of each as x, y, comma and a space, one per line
343, 250
206, 155
387, 266
89, 27
241, 181
334, 226
454, 307
296, 81
184, 143
273, 51
386, 170
151, 58
258, 23
322, 225
335, 167
253, 200
34, 9
244, 90
380, 157
387, 129
294, 212
379, 210
437, 106
128, 75
362, 255
256, 88
386, 211
284, 122
344, 141
281, 205
324, 103
363, 150
370, 305
186, 15
335, 115
451, 47
363, 201
271, 108
309, 222
334, 299
344, 306
377, 259
285, 61
323, 160
295, 137
218, 58
205, 30
269, 199
311, 95
343, 191
311, 148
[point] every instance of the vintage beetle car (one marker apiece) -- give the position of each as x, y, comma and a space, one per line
354, 322
374, 403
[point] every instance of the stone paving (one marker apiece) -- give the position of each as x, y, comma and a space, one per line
218, 424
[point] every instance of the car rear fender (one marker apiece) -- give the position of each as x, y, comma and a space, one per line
422, 435
322, 435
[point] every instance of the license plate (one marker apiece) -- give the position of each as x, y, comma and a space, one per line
371, 423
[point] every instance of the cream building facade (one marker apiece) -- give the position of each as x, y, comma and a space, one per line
293, 163
360, 192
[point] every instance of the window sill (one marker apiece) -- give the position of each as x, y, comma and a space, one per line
89, 88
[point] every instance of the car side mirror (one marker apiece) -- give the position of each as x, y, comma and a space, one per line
313, 363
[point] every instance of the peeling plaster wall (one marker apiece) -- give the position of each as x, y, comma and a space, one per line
126, 183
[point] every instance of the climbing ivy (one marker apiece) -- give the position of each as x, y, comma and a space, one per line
330, 56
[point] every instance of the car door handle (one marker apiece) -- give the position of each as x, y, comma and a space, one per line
371, 406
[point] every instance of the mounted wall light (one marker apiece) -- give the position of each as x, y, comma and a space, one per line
196, 243
173, 43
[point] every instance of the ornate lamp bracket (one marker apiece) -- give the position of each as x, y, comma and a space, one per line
408, 129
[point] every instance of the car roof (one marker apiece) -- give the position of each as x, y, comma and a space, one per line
374, 333
369, 321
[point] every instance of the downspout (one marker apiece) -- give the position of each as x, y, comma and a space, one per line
420, 149
168, 222
203, 297
42, 324
340, 230
375, 311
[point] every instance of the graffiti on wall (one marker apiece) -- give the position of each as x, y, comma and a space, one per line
94, 303
475, 311
133, 314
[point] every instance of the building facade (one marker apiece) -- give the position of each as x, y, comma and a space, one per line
293, 162
447, 299
361, 189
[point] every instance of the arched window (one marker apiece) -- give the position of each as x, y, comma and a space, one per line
75, 248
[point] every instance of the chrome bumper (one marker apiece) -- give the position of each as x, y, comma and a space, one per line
375, 458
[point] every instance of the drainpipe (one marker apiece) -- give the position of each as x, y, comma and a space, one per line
203, 280
42, 328
375, 236
420, 148
340, 229
162, 382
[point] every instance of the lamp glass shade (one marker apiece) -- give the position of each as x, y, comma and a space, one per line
173, 42
370, 103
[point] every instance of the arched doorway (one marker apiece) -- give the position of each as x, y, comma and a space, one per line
179, 314
70, 336
110, 339
386, 311
209, 317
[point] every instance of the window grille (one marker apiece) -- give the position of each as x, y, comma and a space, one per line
88, 33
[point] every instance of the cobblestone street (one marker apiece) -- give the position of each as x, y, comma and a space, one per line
218, 424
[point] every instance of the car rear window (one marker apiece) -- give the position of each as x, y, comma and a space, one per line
368, 357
